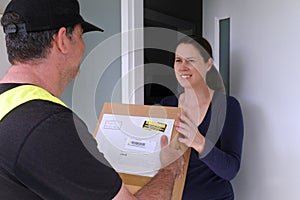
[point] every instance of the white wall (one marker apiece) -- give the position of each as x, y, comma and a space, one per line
4, 64
265, 70
98, 81
3, 4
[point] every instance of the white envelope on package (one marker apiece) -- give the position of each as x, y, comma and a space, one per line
131, 144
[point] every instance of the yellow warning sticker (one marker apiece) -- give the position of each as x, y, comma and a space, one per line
155, 126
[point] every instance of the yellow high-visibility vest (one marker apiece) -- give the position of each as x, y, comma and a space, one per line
12, 98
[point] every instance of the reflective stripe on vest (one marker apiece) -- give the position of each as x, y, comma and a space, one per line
12, 98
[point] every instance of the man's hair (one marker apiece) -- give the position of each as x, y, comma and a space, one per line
27, 46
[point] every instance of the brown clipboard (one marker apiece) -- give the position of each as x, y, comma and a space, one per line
135, 182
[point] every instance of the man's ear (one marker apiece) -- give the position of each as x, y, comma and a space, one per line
61, 40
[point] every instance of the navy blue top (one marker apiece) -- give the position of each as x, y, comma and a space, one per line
209, 174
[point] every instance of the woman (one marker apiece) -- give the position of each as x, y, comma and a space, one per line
211, 122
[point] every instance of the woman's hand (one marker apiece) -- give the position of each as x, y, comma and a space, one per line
190, 135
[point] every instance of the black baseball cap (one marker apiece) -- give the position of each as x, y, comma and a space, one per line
42, 15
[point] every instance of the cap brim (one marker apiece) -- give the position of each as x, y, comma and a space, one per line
87, 27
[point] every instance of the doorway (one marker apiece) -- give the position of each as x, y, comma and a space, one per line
184, 17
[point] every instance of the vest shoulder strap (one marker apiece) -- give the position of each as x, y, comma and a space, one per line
12, 98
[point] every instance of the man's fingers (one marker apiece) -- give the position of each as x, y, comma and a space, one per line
163, 141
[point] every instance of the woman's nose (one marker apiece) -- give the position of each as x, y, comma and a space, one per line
184, 66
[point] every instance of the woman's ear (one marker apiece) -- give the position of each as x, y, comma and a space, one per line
61, 40
210, 63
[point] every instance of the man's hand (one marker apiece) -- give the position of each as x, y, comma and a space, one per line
161, 185
171, 158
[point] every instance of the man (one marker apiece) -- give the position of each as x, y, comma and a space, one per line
42, 155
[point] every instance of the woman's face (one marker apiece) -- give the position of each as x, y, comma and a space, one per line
189, 66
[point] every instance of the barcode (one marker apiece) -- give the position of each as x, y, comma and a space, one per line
139, 144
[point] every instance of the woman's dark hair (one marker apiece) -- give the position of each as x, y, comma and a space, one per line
23, 46
201, 44
213, 78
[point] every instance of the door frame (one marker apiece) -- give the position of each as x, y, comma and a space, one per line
132, 43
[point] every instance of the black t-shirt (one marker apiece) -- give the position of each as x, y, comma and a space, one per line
47, 152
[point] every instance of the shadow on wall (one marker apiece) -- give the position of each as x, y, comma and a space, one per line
252, 166
236, 73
